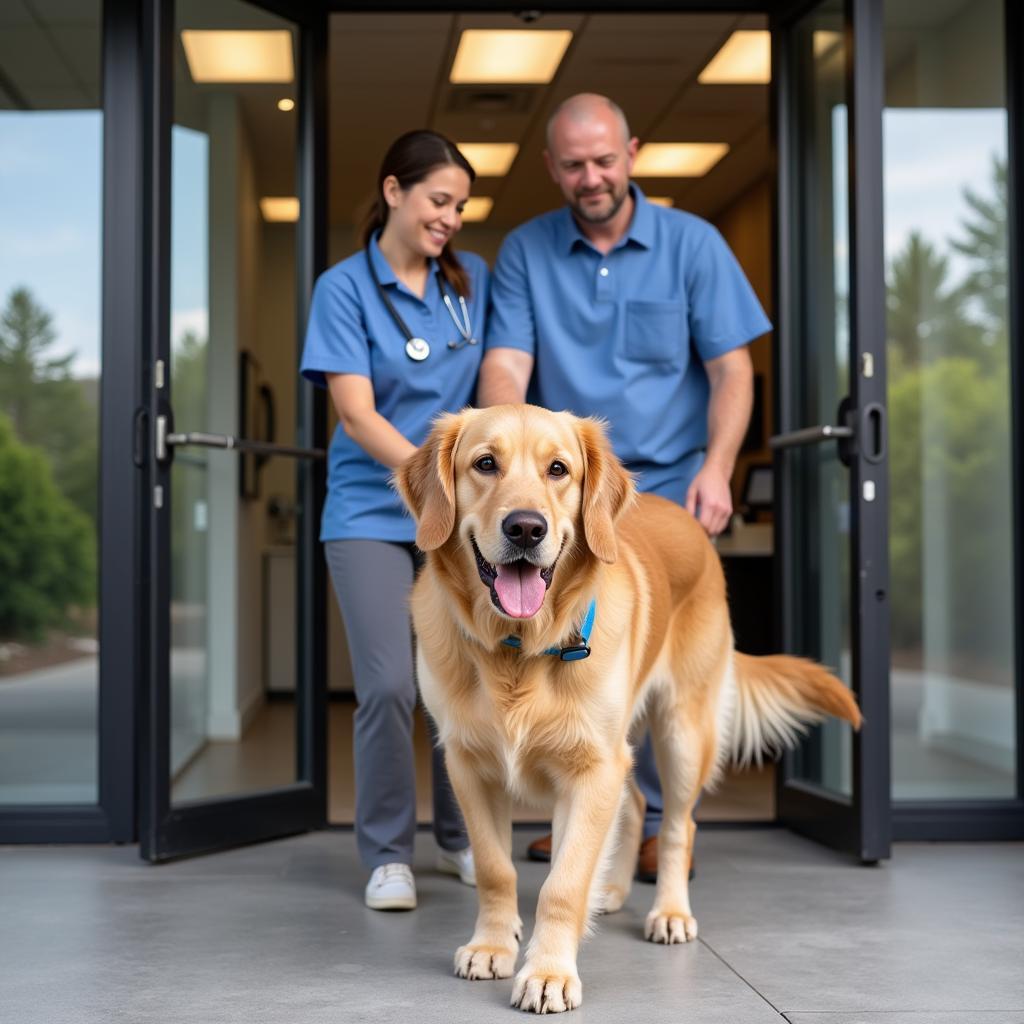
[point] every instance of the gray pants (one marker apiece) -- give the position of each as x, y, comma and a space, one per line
372, 580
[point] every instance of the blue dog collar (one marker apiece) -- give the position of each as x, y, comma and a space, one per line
572, 652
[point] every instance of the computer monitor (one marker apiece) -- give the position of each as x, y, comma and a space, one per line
758, 488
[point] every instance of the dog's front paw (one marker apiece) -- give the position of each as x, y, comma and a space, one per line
547, 986
670, 927
483, 962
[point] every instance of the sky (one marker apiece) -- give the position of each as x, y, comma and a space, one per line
51, 230
929, 157
50, 207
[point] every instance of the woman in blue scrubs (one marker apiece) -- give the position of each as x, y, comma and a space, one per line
394, 334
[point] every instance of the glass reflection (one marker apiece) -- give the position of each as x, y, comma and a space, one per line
951, 540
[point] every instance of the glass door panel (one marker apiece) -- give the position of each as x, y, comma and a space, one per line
233, 355
234, 734
820, 378
830, 454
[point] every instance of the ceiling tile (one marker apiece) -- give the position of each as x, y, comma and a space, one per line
647, 63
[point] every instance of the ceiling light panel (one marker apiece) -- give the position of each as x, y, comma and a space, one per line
489, 159
513, 56
280, 209
745, 59
677, 159
824, 41
242, 56
477, 208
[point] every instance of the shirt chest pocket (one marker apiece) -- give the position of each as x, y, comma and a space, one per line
656, 332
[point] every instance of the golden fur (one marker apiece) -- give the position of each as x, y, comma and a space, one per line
524, 724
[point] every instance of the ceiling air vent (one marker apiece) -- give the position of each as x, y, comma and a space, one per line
490, 102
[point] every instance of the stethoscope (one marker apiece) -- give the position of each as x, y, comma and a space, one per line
417, 349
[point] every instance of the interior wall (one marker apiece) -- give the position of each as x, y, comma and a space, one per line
947, 71
225, 129
275, 351
249, 657
237, 529
278, 352
747, 226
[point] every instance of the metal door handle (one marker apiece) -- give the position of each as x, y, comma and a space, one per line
810, 435
166, 441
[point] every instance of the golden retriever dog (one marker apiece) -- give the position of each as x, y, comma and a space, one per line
532, 527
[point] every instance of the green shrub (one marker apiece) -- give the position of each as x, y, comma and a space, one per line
47, 546
951, 478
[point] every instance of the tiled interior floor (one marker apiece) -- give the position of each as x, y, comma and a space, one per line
266, 756
278, 934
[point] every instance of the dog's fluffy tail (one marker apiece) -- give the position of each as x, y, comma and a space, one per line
776, 698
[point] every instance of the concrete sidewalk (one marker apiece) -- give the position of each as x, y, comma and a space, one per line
278, 933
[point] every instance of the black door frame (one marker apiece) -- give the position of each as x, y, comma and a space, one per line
166, 830
862, 823
129, 191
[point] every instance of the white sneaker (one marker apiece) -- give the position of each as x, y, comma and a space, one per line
391, 887
458, 862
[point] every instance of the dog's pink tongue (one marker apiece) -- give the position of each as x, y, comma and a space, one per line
520, 589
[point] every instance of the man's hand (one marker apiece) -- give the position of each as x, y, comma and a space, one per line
709, 499
732, 394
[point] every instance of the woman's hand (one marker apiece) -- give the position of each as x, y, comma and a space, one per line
353, 400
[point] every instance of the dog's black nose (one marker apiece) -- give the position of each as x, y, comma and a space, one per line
525, 529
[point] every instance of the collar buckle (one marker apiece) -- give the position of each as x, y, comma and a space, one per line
571, 652
575, 652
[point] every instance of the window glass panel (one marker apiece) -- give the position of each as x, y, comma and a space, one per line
51, 144
951, 542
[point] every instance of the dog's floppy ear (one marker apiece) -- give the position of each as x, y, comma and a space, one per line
607, 489
426, 482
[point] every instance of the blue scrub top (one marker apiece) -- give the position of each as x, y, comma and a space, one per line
351, 331
625, 335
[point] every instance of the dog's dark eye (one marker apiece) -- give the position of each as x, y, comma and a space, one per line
557, 469
485, 464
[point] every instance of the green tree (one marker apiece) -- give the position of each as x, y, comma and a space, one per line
26, 332
188, 381
48, 408
950, 428
190, 483
926, 314
984, 244
47, 546
952, 467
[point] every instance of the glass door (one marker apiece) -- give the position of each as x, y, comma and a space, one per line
234, 748
830, 453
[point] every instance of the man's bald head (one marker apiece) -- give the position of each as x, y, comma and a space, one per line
582, 108
590, 156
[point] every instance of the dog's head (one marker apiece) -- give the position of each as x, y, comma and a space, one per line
518, 492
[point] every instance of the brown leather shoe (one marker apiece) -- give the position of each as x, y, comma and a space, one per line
540, 849
647, 861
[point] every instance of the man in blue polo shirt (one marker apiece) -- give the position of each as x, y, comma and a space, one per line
617, 308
